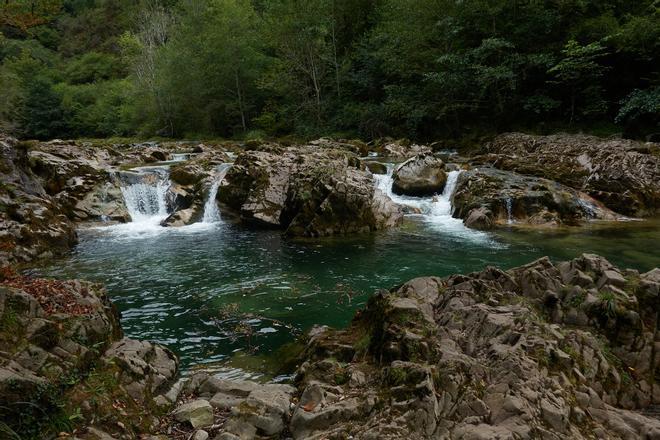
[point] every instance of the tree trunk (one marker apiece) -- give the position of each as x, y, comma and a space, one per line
572, 106
240, 100
316, 85
334, 50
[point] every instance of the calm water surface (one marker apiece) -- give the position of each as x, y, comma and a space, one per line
176, 287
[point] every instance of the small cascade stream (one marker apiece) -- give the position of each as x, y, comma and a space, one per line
146, 191
509, 211
211, 211
145, 196
435, 210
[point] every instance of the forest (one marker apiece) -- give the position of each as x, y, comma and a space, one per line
421, 69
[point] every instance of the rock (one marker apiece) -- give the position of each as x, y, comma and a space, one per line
622, 174
32, 223
354, 146
486, 197
485, 355
255, 408
187, 173
403, 150
200, 434
199, 413
555, 416
184, 217
103, 202
611, 277
147, 369
60, 341
420, 176
376, 167
479, 218
306, 191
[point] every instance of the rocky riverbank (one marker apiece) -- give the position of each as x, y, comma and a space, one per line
545, 350
622, 174
321, 188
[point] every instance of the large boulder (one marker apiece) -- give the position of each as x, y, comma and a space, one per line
485, 197
62, 354
422, 175
306, 191
49, 329
32, 222
623, 174
541, 351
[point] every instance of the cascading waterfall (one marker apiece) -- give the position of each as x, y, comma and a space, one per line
211, 211
436, 210
145, 193
430, 207
145, 202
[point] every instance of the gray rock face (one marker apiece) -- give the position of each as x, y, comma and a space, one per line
32, 223
146, 369
422, 175
622, 174
492, 354
254, 409
307, 191
485, 197
46, 337
60, 341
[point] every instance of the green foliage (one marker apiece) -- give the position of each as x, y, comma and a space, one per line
640, 104
609, 303
579, 71
367, 68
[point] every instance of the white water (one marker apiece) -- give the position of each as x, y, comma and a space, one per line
146, 203
211, 211
509, 210
435, 211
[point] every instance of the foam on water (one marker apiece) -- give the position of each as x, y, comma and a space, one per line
146, 203
435, 211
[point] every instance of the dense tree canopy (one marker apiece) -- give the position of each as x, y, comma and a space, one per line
368, 68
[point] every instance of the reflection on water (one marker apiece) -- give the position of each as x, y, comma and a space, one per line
171, 286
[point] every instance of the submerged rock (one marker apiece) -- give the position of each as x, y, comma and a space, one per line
420, 176
307, 192
376, 167
622, 174
485, 197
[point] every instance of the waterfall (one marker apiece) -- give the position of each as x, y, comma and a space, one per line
435, 211
145, 193
211, 212
430, 207
509, 210
146, 202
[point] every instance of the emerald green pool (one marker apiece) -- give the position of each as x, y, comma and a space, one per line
171, 283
